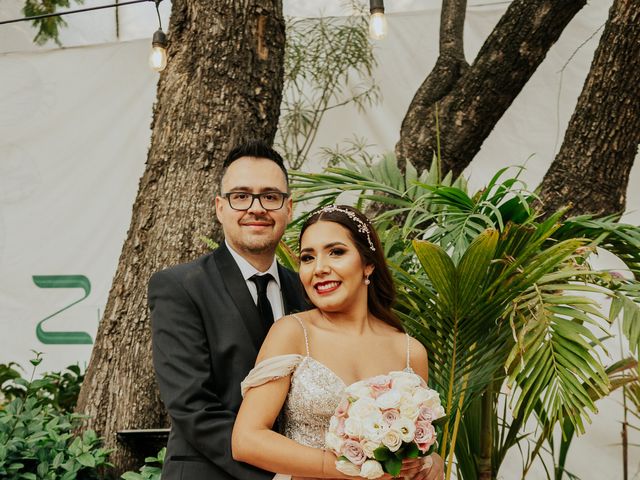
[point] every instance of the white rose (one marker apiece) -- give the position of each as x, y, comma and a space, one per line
390, 399
433, 403
348, 468
406, 428
427, 397
363, 408
333, 442
369, 446
409, 408
392, 440
405, 381
423, 395
353, 427
371, 469
358, 390
438, 412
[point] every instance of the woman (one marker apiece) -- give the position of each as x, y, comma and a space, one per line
308, 359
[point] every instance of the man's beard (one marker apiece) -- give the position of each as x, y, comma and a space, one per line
257, 245
261, 246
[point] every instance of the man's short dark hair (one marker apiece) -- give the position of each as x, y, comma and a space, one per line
256, 149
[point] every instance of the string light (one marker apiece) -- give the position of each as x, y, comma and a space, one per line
69, 12
377, 21
158, 56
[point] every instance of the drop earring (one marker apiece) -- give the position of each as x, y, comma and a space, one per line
366, 280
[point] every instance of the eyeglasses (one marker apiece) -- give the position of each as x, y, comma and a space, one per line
244, 200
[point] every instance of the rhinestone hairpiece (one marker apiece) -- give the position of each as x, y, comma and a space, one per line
362, 226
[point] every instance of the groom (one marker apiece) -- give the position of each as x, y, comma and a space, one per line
209, 317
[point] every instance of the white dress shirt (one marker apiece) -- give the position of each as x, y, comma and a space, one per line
274, 292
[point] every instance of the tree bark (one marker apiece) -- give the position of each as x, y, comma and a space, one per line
472, 100
223, 84
592, 168
487, 471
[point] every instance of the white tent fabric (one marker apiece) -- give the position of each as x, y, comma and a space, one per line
74, 133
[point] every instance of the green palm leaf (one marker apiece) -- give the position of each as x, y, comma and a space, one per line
496, 295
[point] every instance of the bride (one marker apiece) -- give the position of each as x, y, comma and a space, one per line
308, 359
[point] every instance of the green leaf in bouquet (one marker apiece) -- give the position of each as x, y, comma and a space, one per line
399, 453
411, 450
393, 466
440, 421
382, 454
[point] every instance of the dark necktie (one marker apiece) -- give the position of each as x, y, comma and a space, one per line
264, 306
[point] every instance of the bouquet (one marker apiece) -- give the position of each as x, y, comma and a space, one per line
382, 420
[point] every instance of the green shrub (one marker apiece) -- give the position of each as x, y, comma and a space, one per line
151, 471
59, 389
36, 428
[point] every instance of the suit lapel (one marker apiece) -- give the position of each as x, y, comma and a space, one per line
237, 288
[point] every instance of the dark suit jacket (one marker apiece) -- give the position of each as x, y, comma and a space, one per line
206, 335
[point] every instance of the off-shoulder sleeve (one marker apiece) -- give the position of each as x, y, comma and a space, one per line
269, 370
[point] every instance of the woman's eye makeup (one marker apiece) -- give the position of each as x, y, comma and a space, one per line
333, 251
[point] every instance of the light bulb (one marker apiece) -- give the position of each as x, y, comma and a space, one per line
158, 58
377, 25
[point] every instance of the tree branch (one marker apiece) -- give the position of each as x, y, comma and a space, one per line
484, 91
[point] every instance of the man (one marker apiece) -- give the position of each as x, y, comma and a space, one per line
209, 317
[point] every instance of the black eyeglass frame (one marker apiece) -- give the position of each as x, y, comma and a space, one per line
255, 196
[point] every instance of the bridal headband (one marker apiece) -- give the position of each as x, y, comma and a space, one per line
362, 226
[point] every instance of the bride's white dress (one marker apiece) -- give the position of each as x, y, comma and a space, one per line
313, 396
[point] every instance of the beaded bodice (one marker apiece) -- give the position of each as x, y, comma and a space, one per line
313, 396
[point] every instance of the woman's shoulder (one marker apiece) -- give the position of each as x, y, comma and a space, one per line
417, 349
286, 336
418, 357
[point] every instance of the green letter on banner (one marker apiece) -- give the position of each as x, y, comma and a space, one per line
63, 281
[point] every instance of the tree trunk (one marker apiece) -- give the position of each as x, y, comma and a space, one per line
472, 100
223, 84
593, 165
485, 467
448, 69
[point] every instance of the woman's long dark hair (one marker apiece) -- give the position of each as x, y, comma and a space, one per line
381, 292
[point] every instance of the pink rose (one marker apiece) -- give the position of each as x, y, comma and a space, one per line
379, 385
390, 416
425, 415
425, 436
354, 452
342, 408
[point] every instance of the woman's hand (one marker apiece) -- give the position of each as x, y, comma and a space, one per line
432, 468
410, 468
426, 468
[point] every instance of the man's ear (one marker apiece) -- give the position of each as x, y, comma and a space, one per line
289, 203
219, 205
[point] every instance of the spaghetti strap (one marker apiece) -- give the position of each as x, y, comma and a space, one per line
306, 338
408, 351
